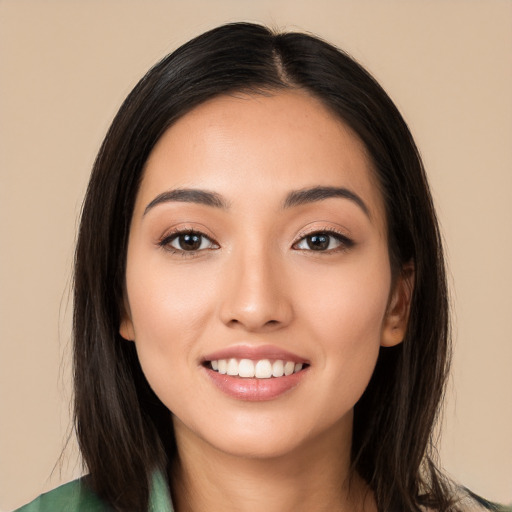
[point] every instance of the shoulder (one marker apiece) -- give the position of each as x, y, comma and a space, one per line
74, 496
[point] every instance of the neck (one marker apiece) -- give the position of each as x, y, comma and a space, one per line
315, 477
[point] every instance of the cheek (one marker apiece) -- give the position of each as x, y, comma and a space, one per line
169, 309
350, 298
345, 310
167, 290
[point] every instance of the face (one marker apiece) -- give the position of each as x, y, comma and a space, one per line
258, 282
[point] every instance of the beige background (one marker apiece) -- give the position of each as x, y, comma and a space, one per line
65, 67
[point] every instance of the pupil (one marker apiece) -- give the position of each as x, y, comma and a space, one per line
318, 242
190, 242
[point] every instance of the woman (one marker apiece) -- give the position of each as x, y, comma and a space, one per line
261, 315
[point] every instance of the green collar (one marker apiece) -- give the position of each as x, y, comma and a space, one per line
76, 497
160, 498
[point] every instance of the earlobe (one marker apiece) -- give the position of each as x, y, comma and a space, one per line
397, 315
126, 329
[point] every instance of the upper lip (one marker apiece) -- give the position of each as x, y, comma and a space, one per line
254, 352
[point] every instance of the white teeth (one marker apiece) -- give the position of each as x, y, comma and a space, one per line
232, 367
278, 369
246, 368
223, 366
262, 369
289, 367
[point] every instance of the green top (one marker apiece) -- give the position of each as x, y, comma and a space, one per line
76, 497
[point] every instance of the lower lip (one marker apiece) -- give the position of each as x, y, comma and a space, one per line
255, 390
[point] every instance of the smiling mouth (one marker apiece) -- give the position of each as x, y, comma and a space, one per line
259, 369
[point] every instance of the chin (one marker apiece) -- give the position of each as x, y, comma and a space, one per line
257, 446
266, 436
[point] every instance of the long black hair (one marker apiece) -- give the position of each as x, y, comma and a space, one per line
124, 431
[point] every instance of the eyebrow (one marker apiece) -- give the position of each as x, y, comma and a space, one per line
294, 198
189, 195
314, 194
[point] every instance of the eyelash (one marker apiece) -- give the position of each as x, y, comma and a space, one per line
165, 243
345, 242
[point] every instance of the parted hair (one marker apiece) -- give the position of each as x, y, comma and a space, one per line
125, 433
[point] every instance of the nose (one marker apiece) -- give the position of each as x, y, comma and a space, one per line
256, 297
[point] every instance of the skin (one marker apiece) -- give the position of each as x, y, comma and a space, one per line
259, 282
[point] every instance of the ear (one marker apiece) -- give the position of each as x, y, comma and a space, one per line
397, 315
126, 329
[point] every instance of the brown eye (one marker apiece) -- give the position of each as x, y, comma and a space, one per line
324, 241
188, 241
318, 242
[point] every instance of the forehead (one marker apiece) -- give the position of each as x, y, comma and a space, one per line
252, 146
